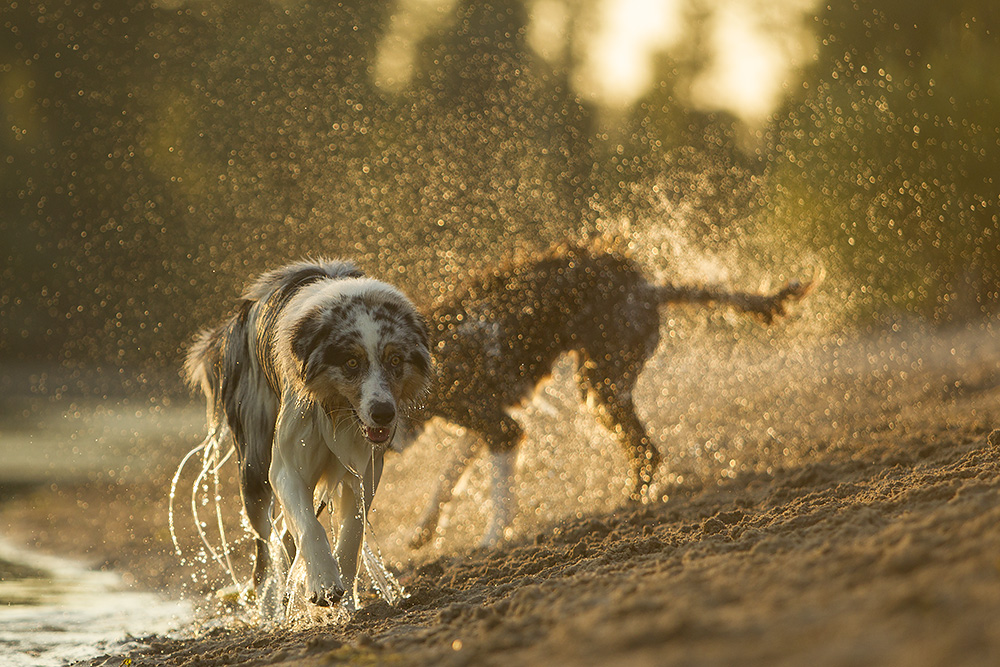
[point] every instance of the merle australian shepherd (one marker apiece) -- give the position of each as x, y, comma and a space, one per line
311, 375
495, 339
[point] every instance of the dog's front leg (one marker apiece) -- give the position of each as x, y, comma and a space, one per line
298, 461
355, 500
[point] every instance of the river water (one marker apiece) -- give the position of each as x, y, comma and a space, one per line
55, 611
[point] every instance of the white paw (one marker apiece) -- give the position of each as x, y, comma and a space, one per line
325, 596
324, 588
497, 533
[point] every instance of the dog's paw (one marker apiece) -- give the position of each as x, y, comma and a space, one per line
324, 596
491, 540
498, 533
324, 587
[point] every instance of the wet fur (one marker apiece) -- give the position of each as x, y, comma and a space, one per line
496, 339
310, 375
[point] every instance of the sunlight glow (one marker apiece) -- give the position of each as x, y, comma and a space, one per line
410, 23
548, 29
739, 53
618, 67
751, 54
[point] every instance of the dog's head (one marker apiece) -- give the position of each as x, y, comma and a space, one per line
358, 347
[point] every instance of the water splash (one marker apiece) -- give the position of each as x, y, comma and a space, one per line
387, 585
281, 598
211, 463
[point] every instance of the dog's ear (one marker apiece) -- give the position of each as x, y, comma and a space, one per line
306, 343
421, 356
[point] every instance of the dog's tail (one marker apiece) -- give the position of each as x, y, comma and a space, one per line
765, 306
203, 370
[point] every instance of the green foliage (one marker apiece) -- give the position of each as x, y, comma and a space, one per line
897, 134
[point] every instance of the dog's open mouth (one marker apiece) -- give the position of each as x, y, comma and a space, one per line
377, 435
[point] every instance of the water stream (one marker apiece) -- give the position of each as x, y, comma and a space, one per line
54, 611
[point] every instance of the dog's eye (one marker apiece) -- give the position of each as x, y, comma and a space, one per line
352, 363
395, 360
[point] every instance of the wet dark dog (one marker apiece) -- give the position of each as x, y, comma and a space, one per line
310, 376
496, 339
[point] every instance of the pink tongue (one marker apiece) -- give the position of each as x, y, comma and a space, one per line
377, 434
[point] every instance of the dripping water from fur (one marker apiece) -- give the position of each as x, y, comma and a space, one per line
215, 549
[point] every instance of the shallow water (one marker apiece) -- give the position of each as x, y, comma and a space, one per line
62, 612
45, 440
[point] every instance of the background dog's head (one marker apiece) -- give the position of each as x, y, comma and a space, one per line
359, 348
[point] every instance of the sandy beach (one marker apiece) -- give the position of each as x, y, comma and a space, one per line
867, 537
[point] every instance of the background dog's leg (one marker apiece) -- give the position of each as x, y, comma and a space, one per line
352, 506
295, 472
502, 494
609, 393
502, 434
460, 459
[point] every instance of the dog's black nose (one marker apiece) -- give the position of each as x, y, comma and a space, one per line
383, 413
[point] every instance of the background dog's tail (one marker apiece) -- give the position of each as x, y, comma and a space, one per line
765, 306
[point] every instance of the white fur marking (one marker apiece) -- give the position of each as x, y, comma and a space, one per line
502, 477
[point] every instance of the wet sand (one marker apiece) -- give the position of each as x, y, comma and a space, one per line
865, 536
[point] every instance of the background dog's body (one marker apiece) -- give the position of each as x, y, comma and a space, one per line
496, 339
308, 375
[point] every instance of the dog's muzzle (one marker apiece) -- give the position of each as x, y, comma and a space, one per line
377, 435
383, 414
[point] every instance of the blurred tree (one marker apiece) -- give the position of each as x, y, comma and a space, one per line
898, 131
155, 155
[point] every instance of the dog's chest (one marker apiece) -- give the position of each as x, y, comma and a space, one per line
351, 452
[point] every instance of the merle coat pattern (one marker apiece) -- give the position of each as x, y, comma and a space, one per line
495, 339
310, 375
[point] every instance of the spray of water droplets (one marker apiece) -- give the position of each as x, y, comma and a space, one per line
280, 599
